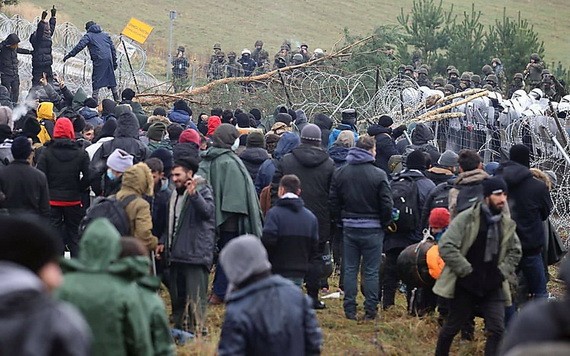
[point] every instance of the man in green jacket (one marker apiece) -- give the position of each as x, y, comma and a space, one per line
109, 302
480, 250
237, 206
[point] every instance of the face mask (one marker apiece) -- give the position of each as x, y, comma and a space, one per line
110, 174
235, 145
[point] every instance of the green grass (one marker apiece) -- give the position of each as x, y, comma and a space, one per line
237, 24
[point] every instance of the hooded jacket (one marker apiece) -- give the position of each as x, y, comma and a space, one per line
138, 110
286, 144
474, 177
109, 302
325, 124
9, 56
25, 189
193, 240
338, 155
41, 42
66, 166
234, 192
314, 168
253, 158
103, 55
270, 317
385, 145
529, 202
420, 138
126, 138
213, 123
301, 120
291, 248
91, 116
137, 180
32, 323
360, 190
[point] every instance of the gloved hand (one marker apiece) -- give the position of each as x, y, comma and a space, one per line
399, 131
53, 11
44, 14
67, 56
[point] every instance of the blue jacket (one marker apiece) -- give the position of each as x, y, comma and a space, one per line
270, 317
91, 117
335, 132
103, 55
183, 118
286, 144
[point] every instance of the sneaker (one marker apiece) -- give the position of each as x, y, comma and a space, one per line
318, 305
215, 300
180, 336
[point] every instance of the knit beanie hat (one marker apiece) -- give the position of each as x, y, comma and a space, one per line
493, 185
128, 94
225, 136
6, 117
439, 218
156, 131
78, 123
385, 121
256, 113
21, 148
190, 135
108, 107
90, 103
182, 105
311, 134
63, 129
284, 118
242, 258
520, 154
255, 139
174, 132
242, 119
159, 111
345, 139
119, 160
28, 242
108, 129
448, 159
416, 160
165, 156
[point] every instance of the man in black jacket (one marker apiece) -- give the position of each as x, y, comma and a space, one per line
530, 205
190, 244
66, 166
360, 195
291, 247
9, 64
41, 41
314, 168
385, 141
24, 187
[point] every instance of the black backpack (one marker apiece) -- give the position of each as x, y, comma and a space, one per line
111, 209
468, 195
441, 199
405, 197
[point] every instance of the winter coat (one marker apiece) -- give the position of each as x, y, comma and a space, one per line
103, 55
401, 240
253, 158
385, 145
136, 268
41, 43
313, 166
109, 302
25, 189
301, 120
32, 322
420, 141
137, 181
291, 248
91, 116
325, 124
360, 190
159, 208
338, 155
473, 177
270, 317
9, 57
138, 110
458, 239
234, 192
529, 203
183, 118
286, 144
335, 132
439, 175
194, 237
62, 161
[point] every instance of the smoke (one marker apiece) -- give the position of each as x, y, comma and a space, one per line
21, 109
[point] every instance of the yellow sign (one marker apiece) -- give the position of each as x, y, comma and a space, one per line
137, 30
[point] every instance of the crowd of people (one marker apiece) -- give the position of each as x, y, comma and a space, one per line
259, 201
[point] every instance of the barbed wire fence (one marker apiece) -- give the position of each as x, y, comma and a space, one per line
76, 72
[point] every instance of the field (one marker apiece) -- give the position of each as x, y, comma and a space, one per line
393, 333
319, 23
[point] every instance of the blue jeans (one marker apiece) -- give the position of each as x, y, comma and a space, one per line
365, 244
532, 268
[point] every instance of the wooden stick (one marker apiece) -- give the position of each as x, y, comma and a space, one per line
453, 105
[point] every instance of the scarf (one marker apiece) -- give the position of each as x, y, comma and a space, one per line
493, 232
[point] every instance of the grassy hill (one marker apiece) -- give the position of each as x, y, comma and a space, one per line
237, 24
